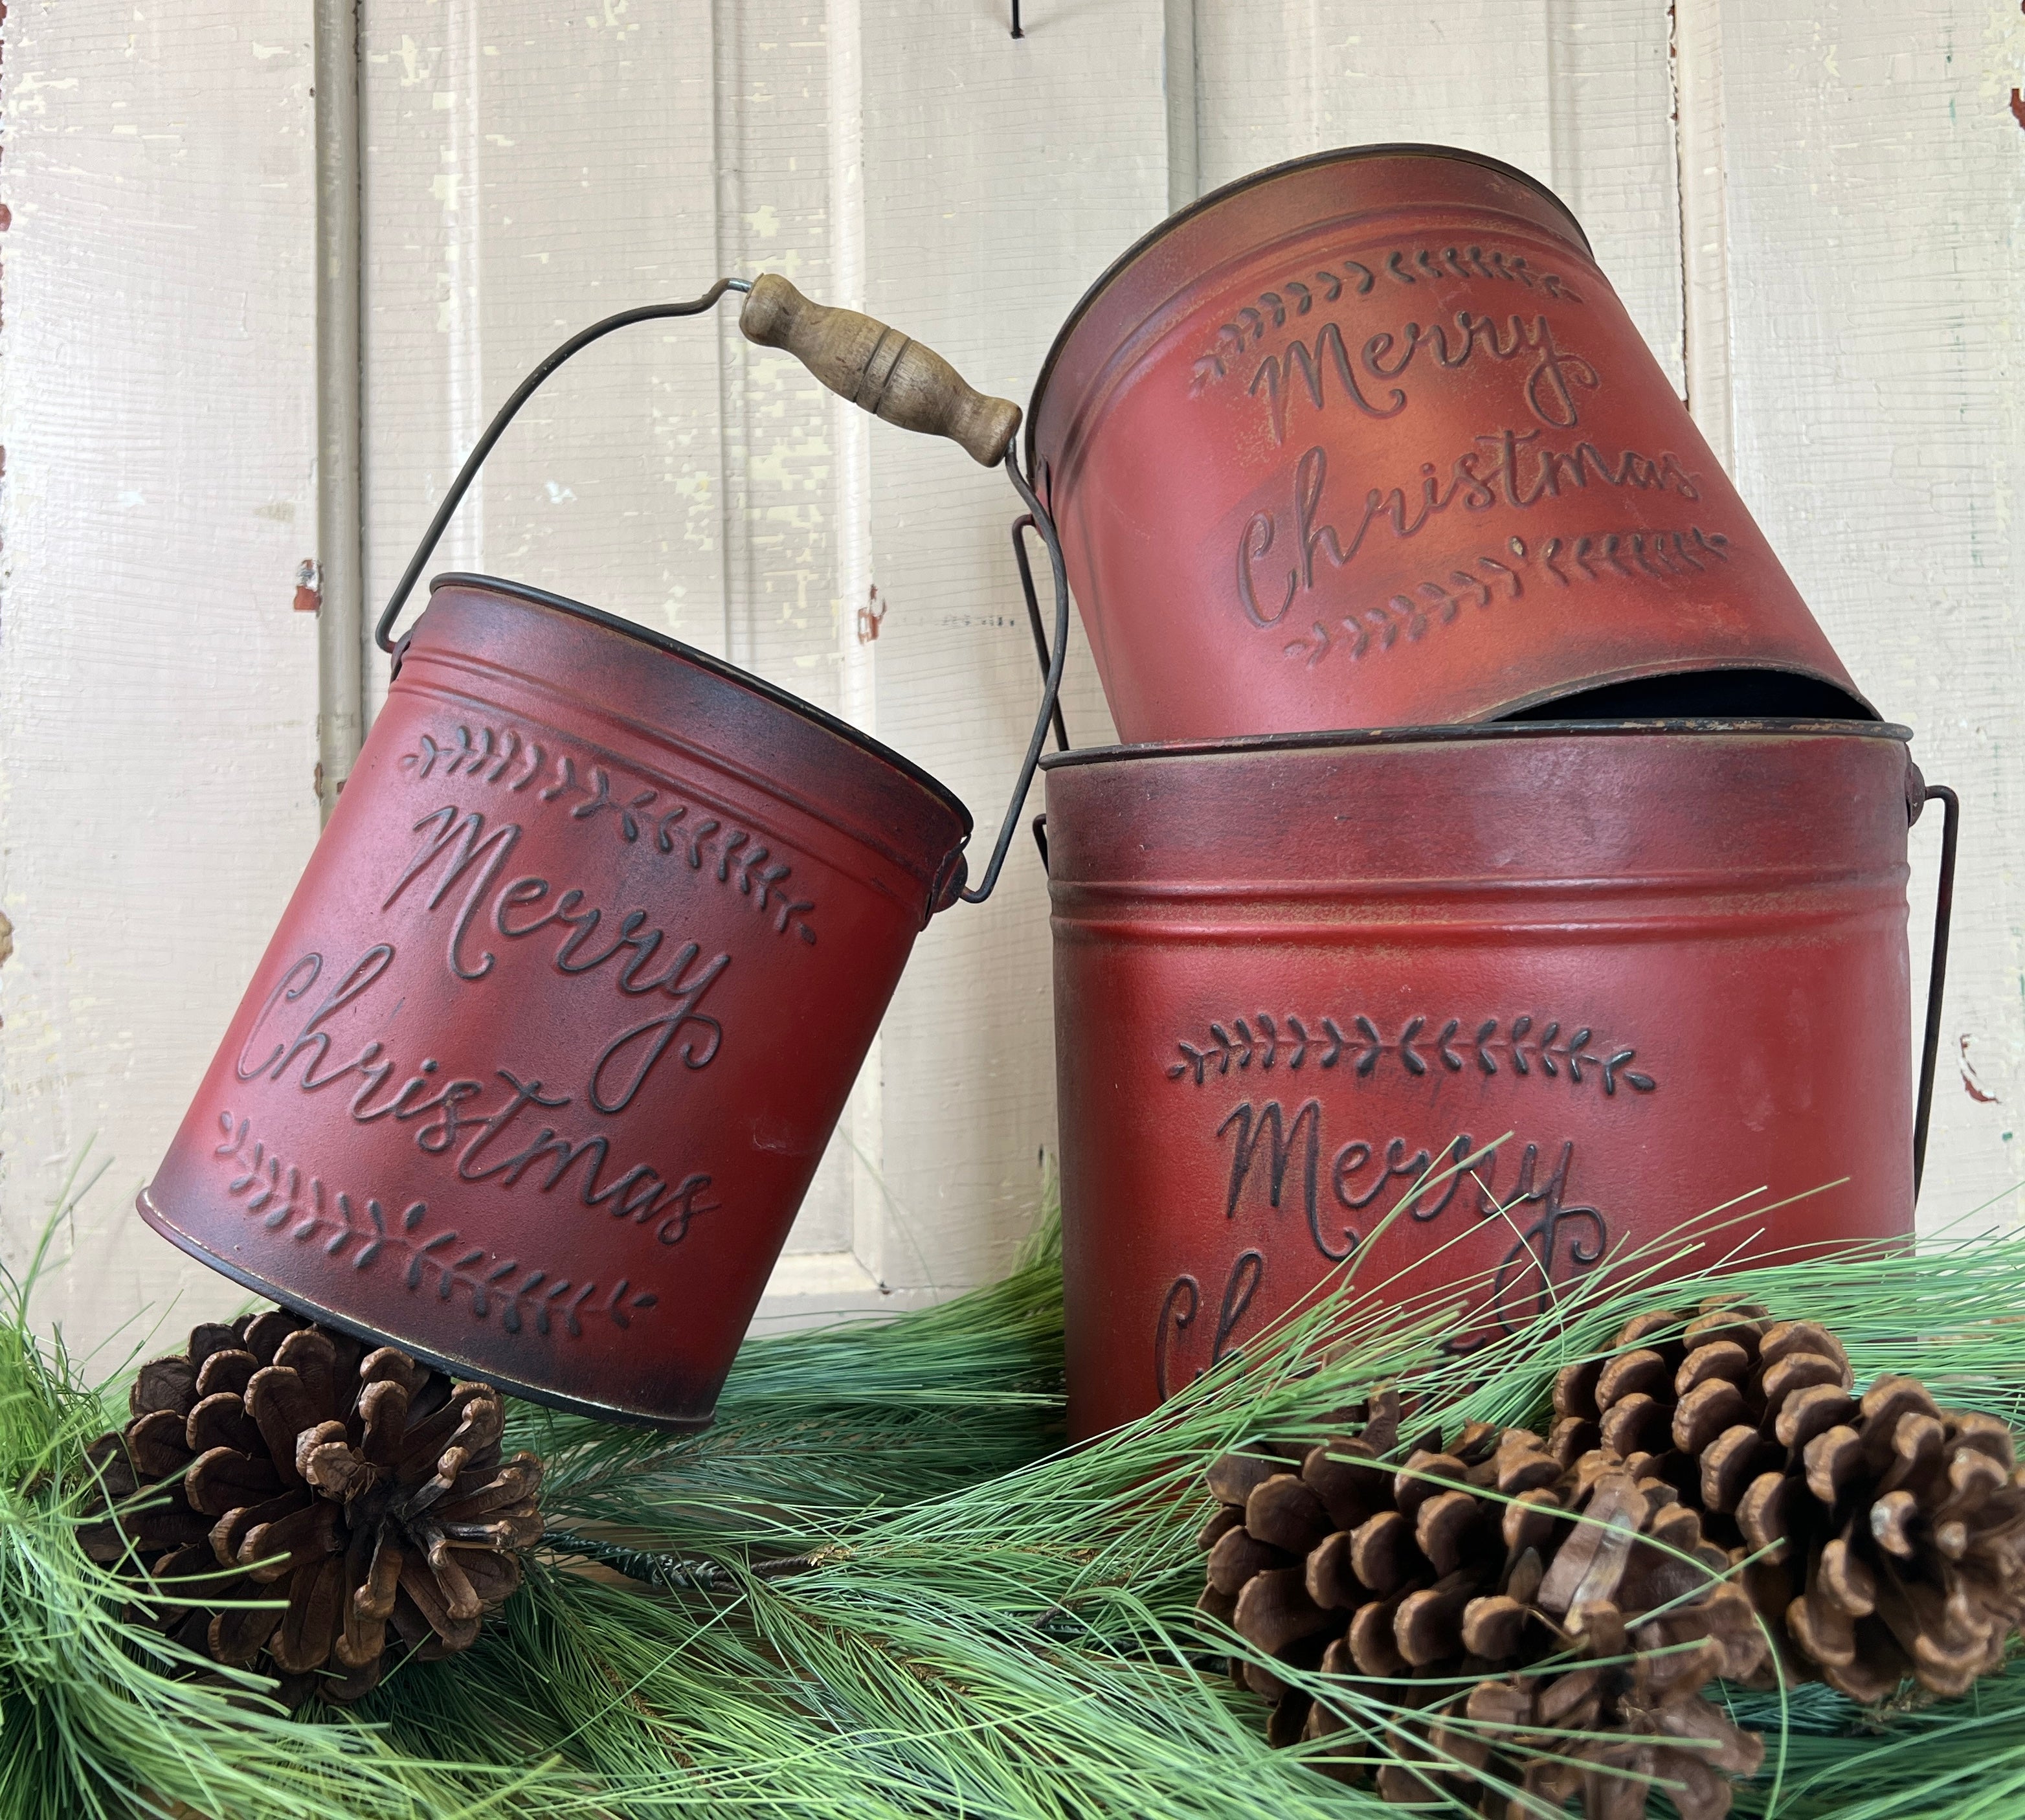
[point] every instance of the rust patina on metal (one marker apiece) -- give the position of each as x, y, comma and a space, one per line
1369, 440
537, 1066
1298, 979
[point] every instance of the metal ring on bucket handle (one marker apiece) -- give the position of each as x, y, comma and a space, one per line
875, 368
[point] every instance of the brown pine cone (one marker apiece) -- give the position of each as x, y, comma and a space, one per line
1897, 1534
1890, 1532
1702, 1395
365, 1489
1332, 1561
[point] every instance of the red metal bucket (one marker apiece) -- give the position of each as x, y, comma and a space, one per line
1369, 440
535, 1071
1295, 976
538, 1064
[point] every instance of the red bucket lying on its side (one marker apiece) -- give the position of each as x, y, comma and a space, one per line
1295, 976
1369, 440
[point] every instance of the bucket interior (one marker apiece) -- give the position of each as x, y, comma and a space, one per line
1704, 695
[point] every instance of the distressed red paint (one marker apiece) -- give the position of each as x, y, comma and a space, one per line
551, 1036
1298, 979
1369, 440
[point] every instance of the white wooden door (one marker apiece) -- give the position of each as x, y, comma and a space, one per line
158, 689
1815, 212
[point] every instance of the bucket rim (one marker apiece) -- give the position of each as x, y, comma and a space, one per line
724, 670
1167, 224
158, 1220
1359, 738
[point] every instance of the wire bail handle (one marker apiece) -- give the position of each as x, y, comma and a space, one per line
1919, 793
877, 369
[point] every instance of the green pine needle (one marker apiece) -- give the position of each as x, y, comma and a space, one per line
878, 1588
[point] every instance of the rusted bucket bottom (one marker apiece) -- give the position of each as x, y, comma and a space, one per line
145, 1204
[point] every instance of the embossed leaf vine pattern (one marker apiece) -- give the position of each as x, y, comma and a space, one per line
1527, 1045
1657, 553
739, 859
364, 1230
1631, 553
1296, 297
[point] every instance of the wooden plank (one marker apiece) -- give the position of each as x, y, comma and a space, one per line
1876, 182
1705, 287
784, 586
1277, 83
1001, 176
157, 691
1575, 92
339, 580
530, 167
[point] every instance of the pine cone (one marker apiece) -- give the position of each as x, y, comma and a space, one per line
1702, 1395
1895, 1529
1329, 1561
365, 1489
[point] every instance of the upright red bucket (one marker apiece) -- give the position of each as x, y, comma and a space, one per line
1296, 977
1369, 440
537, 1066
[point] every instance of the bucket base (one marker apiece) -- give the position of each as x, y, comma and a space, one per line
145, 1204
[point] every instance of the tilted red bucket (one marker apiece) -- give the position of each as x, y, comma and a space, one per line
1369, 440
536, 1069
537, 1066
1296, 977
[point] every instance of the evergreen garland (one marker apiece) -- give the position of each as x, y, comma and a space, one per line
877, 1587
